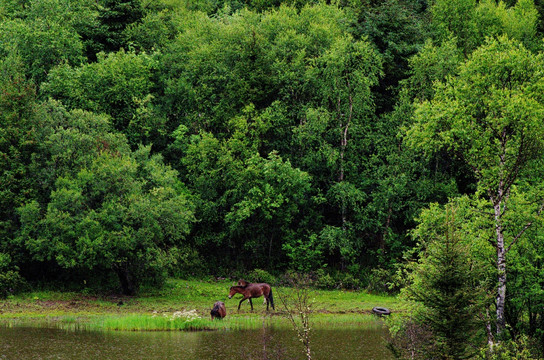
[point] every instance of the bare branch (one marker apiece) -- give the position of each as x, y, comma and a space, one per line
297, 306
527, 226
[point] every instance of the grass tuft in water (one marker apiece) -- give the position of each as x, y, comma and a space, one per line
186, 320
177, 321
190, 321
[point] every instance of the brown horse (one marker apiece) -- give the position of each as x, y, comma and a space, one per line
218, 311
250, 290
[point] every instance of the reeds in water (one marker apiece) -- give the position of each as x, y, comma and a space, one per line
177, 321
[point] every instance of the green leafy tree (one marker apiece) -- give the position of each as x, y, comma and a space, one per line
12, 8
433, 63
456, 18
100, 208
524, 309
397, 28
77, 19
47, 33
489, 116
403, 181
122, 213
219, 66
19, 119
118, 84
69, 141
247, 204
41, 43
157, 29
301, 85
333, 137
10, 279
519, 22
107, 33
471, 22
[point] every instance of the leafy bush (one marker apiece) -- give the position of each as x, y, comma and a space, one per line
409, 339
513, 349
323, 280
338, 280
259, 275
378, 281
348, 281
186, 263
10, 280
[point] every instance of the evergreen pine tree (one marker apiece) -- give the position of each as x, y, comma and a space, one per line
444, 284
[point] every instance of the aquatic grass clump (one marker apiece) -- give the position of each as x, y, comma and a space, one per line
191, 321
177, 321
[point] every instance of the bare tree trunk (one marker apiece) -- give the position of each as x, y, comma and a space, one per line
344, 126
270, 248
499, 202
343, 145
128, 284
488, 329
386, 227
501, 268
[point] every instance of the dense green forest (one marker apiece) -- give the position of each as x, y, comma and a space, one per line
374, 144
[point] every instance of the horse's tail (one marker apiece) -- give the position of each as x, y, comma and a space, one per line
271, 298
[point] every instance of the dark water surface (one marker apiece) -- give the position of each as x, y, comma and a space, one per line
267, 343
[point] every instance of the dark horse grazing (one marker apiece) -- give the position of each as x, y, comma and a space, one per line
218, 311
249, 291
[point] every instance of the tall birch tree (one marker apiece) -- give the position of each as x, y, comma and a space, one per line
490, 116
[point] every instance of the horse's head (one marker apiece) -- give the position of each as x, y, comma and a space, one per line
218, 311
233, 291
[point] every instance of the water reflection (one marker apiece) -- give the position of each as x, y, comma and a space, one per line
266, 343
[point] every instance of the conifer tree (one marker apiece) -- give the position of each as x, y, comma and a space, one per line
444, 284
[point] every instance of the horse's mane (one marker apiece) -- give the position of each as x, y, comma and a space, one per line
242, 283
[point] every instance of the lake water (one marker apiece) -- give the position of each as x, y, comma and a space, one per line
19, 343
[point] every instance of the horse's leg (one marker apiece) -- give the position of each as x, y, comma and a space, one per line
241, 301
250, 303
267, 301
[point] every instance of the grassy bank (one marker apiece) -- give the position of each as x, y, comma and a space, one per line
185, 305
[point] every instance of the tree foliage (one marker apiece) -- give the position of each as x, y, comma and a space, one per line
118, 84
109, 208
